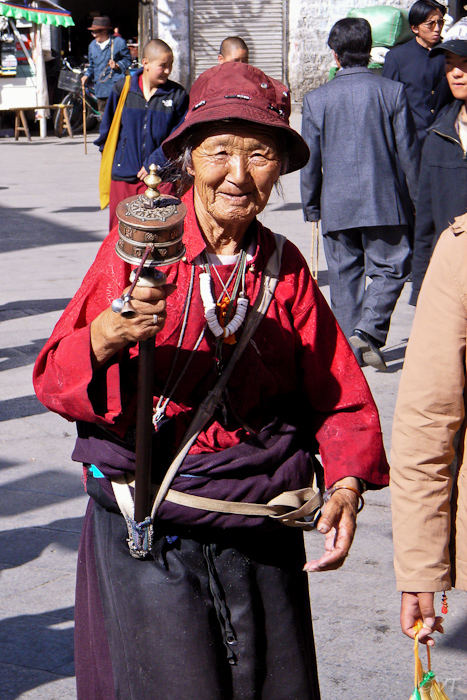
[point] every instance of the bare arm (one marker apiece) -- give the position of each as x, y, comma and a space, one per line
338, 523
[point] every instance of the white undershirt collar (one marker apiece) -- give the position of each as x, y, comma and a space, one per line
215, 259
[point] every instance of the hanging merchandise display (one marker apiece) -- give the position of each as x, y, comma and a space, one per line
24, 28
8, 59
18, 75
24, 37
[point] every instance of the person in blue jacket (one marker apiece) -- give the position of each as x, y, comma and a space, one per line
154, 107
109, 57
421, 73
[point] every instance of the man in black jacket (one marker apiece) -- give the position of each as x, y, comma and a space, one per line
361, 180
421, 73
442, 192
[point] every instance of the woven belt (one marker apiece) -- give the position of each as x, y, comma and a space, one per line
299, 508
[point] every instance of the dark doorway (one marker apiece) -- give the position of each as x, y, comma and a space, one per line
457, 9
123, 14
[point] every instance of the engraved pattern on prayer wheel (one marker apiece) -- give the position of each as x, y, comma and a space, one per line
153, 220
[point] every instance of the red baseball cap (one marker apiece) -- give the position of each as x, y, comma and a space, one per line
242, 92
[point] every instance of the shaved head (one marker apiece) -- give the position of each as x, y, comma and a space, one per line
154, 48
233, 48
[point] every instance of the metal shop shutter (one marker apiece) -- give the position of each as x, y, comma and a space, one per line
261, 25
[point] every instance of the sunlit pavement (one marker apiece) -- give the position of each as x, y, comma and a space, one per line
50, 229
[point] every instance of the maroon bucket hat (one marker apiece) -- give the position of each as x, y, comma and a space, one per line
242, 92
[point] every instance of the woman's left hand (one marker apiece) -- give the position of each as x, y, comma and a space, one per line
338, 523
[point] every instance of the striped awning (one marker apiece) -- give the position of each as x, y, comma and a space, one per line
45, 13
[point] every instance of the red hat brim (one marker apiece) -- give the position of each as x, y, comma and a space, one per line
244, 102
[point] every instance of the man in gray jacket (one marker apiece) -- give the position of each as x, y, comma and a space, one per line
361, 181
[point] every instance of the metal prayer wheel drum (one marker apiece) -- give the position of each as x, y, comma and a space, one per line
151, 220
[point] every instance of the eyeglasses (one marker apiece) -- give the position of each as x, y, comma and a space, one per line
434, 23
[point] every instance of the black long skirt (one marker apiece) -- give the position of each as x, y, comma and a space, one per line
224, 617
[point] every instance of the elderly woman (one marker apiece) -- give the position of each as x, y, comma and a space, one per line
221, 609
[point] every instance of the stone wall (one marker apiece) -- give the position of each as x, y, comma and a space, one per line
310, 22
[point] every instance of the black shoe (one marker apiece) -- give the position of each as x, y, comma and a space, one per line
371, 354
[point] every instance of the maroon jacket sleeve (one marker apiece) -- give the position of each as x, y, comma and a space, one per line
63, 373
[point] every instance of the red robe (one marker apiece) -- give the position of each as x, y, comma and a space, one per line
298, 366
297, 374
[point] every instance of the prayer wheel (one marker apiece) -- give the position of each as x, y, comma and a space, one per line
150, 231
153, 221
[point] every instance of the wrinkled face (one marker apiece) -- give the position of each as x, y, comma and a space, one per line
429, 33
234, 56
158, 68
235, 168
456, 73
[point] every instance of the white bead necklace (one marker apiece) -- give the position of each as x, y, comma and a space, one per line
210, 306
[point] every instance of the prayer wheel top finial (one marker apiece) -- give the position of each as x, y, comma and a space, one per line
152, 181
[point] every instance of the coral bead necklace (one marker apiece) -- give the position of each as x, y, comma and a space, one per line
222, 327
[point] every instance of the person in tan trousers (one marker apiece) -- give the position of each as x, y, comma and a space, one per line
428, 463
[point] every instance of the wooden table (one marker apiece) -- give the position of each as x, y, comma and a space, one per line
21, 124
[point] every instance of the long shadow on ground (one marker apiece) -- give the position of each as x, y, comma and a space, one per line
30, 307
36, 649
25, 544
20, 229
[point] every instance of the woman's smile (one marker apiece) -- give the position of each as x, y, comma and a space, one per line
239, 197
234, 173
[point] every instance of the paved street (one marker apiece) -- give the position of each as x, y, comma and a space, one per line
50, 229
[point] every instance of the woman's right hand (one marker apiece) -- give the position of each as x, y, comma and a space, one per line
111, 331
420, 606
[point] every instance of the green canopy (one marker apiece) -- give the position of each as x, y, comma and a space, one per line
47, 13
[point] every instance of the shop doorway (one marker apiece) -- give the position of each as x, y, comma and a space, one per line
123, 15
